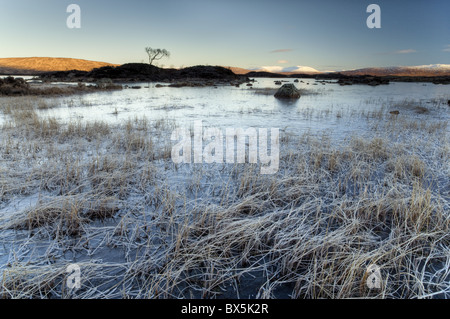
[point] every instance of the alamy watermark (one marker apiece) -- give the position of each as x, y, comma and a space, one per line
73, 281
374, 19
227, 146
373, 280
74, 19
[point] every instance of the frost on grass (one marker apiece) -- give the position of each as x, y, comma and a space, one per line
109, 198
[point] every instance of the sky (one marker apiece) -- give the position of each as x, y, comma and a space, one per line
327, 35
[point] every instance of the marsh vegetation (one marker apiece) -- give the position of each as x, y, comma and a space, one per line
108, 197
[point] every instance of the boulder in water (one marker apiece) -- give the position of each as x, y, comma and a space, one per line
288, 91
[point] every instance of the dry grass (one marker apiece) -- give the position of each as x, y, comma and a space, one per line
18, 87
140, 226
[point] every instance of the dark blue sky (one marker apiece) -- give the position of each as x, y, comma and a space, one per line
323, 34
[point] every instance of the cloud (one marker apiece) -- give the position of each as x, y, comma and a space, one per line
405, 51
281, 50
447, 48
283, 61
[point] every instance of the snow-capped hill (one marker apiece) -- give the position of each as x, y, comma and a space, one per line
433, 67
287, 70
300, 69
420, 70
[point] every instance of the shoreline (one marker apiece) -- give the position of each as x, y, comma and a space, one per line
139, 72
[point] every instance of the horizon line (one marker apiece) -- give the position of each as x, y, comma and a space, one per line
250, 69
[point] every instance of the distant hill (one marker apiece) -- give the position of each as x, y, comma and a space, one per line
263, 74
276, 70
237, 70
38, 65
421, 70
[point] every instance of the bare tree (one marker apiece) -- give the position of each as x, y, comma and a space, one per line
156, 54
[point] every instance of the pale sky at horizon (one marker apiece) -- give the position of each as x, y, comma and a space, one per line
323, 34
